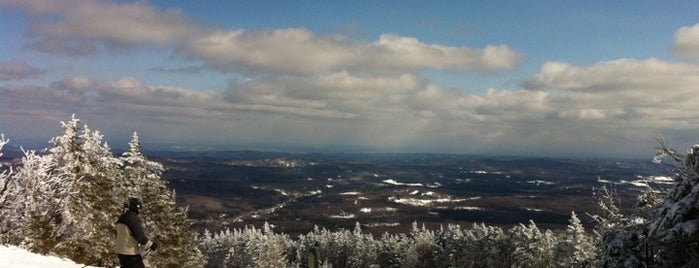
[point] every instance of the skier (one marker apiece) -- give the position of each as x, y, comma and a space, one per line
131, 240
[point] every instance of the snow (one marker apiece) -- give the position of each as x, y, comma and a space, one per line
534, 209
468, 208
540, 182
343, 216
423, 202
384, 209
14, 257
394, 182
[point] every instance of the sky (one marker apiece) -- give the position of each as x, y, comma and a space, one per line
541, 78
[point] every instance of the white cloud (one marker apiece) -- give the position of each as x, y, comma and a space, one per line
300, 52
686, 42
60, 27
395, 112
648, 89
647, 76
307, 89
79, 27
15, 70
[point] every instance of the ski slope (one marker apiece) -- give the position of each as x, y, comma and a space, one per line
14, 257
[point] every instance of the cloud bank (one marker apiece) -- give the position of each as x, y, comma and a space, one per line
323, 91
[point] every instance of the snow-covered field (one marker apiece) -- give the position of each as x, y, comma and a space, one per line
14, 257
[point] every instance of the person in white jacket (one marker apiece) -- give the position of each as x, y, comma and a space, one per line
131, 240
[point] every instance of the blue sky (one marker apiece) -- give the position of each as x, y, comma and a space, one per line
568, 78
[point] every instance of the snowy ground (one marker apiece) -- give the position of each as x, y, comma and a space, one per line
14, 257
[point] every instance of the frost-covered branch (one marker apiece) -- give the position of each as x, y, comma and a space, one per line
5, 174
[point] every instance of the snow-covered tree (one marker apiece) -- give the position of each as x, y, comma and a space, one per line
248, 247
422, 248
66, 201
530, 247
675, 228
450, 242
34, 207
486, 247
393, 250
5, 174
166, 222
575, 248
342, 248
621, 240
93, 203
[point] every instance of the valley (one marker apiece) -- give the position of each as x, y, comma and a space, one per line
388, 192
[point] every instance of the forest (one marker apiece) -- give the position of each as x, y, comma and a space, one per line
64, 201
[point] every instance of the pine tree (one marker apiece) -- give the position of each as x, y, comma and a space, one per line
95, 182
486, 246
575, 249
451, 246
530, 247
248, 247
619, 240
422, 249
33, 207
675, 228
167, 222
65, 202
393, 250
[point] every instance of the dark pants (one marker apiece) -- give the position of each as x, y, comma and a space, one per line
131, 261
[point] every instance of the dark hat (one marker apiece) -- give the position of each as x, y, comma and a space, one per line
134, 204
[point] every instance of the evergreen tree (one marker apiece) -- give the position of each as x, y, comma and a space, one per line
65, 202
167, 223
576, 248
93, 203
675, 228
530, 247
451, 244
34, 208
393, 250
422, 249
249, 247
487, 247
619, 240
